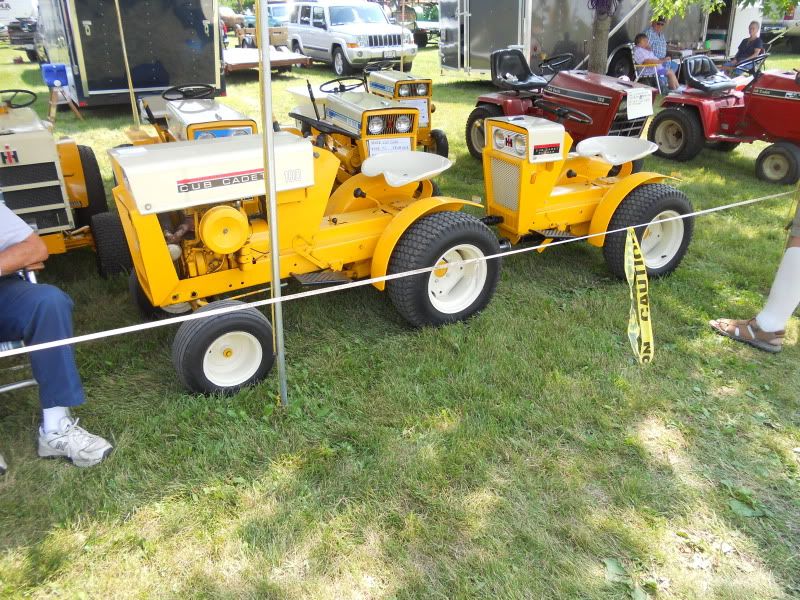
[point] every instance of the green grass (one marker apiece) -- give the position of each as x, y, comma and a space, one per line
506, 457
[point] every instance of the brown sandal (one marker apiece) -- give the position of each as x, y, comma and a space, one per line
750, 333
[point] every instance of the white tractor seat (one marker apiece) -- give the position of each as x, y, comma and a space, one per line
402, 168
614, 149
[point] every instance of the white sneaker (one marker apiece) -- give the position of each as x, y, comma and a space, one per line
3, 465
84, 449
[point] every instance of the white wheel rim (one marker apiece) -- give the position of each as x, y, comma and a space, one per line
478, 135
669, 136
776, 167
452, 289
662, 240
232, 359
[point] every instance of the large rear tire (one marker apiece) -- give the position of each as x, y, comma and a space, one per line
448, 294
474, 132
111, 248
225, 353
95, 192
678, 134
779, 163
663, 244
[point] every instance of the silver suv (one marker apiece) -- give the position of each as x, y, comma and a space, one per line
348, 34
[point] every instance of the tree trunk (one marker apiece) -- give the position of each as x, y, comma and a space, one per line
598, 47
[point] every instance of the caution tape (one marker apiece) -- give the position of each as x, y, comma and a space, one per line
352, 284
640, 326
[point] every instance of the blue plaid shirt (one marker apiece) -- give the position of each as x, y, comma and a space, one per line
658, 43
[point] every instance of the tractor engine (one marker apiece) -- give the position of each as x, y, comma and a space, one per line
405, 89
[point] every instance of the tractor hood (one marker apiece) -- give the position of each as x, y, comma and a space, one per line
21, 120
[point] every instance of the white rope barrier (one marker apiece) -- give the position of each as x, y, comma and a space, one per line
354, 284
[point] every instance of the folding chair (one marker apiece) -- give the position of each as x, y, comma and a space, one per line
641, 73
13, 345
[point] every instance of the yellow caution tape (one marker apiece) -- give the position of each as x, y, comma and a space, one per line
640, 327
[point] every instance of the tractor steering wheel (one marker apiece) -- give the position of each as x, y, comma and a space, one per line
564, 112
752, 66
355, 82
13, 94
553, 63
379, 65
190, 91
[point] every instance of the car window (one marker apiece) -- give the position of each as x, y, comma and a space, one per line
295, 10
318, 16
305, 15
367, 13
280, 12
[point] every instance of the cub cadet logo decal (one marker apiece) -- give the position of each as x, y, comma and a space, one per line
546, 149
214, 181
10, 156
785, 94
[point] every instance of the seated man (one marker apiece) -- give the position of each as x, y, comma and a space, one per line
643, 55
41, 313
658, 43
749, 48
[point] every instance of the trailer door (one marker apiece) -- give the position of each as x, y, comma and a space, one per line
169, 42
490, 26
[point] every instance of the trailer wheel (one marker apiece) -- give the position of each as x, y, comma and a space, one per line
224, 353
779, 163
722, 146
475, 133
621, 65
440, 145
111, 249
448, 294
340, 65
421, 38
663, 244
678, 134
149, 311
95, 192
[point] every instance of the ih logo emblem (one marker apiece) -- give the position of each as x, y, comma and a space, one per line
509, 141
9, 156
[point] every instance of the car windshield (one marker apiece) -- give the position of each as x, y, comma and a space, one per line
367, 13
279, 13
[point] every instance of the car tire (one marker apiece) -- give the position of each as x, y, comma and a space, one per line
446, 295
111, 248
649, 204
340, 65
440, 145
474, 132
32, 55
779, 163
678, 134
421, 38
95, 192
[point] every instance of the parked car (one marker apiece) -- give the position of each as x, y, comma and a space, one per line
20, 35
348, 34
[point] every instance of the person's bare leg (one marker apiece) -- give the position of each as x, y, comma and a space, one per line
672, 80
784, 296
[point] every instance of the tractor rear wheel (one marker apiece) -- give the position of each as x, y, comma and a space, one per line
779, 163
475, 133
95, 192
450, 293
440, 145
678, 134
663, 244
111, 249
224, 353
149, 311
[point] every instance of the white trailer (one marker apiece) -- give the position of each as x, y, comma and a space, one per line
16, 9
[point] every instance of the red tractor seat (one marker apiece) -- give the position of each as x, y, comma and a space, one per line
701, 73
510, 71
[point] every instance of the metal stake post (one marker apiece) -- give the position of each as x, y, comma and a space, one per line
262, 18
136, 122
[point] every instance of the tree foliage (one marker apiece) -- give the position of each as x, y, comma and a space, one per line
677, 8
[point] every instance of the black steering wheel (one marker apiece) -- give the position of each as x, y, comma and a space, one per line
752, 66
13, 94
341, 84
190, 91
379, 65
554, 63
564, 112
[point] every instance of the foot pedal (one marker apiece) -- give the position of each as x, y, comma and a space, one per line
326, 277
555, 234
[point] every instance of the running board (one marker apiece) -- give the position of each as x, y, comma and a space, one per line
326, 277
555, 234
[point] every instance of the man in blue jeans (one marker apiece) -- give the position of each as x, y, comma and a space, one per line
38, 313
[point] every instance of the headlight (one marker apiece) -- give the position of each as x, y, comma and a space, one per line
241, 131
422, 89
362, 40
402, 124
375, 125
405, 90
204, 135
499, 139
520, 145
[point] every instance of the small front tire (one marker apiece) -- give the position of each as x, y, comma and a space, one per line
95, 192
678, 134
111, 248
475, 133
779, 163
440, 144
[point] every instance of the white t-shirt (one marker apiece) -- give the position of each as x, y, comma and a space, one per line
13, 230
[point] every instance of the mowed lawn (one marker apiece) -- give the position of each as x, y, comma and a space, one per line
524, 454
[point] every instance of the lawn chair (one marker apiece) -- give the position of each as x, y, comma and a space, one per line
641, 72
13, 345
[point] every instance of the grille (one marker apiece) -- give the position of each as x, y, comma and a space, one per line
27, 174
625, 128
392, 39
505, 184
47, 220
390, 124
20, 199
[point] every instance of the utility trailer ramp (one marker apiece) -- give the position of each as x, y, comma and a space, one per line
240, 59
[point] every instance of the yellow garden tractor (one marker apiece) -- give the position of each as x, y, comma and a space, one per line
55, 185
194, 215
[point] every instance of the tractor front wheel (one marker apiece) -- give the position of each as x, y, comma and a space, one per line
475, 132
663, 242
95, 192
779, 163
678, 134
452, 292
224, 353
440, 145
110, 245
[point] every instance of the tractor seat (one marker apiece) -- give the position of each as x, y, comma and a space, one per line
702, 74
510, 71
614, 149
402, 168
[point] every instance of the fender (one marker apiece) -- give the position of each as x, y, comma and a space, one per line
71, 168
405, 219
612, 199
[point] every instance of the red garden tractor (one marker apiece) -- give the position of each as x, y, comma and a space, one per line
597, 104
713, 111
